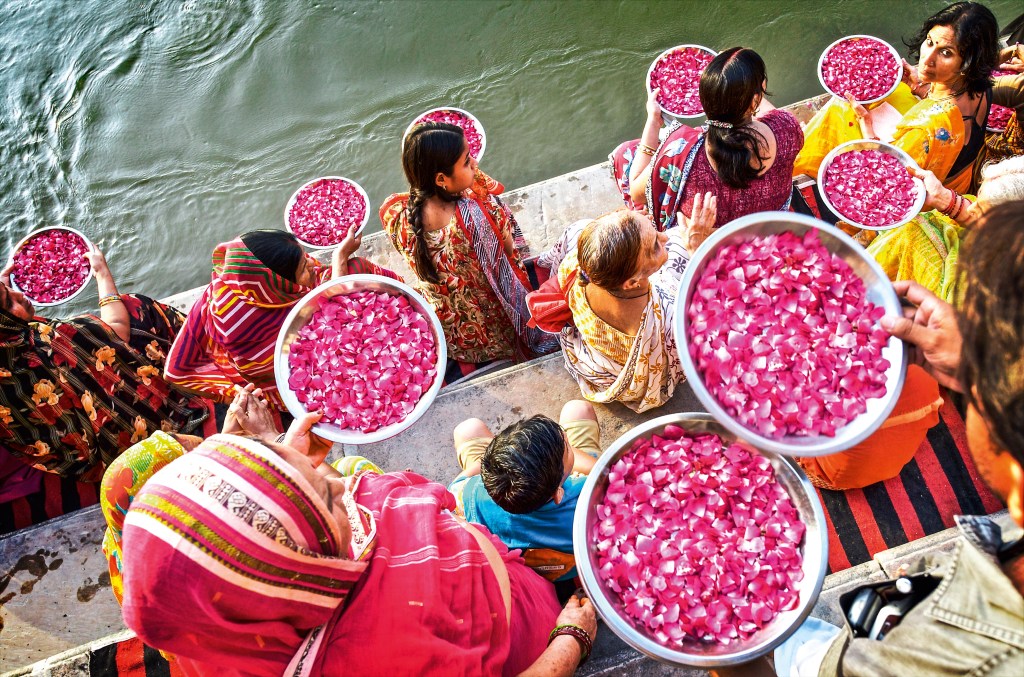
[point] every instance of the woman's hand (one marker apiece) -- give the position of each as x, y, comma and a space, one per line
937, 196
653, 107
858, 109
300, 438
98, 264
701, 222
115, 315
910, 76
1012, 58
250, 413
580, 613
345, 250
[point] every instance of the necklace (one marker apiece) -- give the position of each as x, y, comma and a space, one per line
634, 296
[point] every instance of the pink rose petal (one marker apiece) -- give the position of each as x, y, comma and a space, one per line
474, 136
678, 75
870, 188
719, 562
804, 363
51, 266
865, 67
325, 211
363, 381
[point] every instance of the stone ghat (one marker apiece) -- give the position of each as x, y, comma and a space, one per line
56, 606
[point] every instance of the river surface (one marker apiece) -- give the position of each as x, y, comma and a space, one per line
160, 128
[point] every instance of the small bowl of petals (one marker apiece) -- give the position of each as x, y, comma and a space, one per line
323, 211
50, 267
366, 350
868, 68
677, 73
998, 115
695, 548
471, 127
778, 315
868, 183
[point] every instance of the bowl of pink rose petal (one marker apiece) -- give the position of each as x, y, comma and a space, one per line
998, 116
777, 324
50, 267
696, 548
867, 67
366, 350
869, 184
322, 212
676, 72
470, 125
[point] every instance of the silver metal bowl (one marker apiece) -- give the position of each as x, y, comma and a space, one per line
300, 315
814, 550
650, 72
887, 149
879, 291
311, 182
892, 50
78, 292
476, 123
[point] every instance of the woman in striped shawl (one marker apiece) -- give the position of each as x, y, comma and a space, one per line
228, 339
240, 558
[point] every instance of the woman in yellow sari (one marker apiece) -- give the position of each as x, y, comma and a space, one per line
927, 249
619, 277
943, 131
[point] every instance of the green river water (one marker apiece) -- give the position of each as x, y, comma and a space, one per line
160, 128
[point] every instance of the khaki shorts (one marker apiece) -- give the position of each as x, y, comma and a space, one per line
583, 435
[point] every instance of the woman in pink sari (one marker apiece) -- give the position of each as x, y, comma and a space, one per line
743, 156
240, 559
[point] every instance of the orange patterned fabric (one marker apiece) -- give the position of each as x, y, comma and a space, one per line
891, 447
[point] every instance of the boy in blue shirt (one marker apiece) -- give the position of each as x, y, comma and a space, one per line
523, 483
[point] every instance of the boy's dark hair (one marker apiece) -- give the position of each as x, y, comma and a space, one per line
522, 467
991, 321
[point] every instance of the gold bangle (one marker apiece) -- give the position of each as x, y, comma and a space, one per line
646, 150
107, 300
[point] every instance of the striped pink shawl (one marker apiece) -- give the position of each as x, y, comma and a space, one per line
230, 563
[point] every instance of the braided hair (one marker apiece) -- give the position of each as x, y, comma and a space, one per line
430, 148
728, 87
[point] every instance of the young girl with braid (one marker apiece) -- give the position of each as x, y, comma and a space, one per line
465, 247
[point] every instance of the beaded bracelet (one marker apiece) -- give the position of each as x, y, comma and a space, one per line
107, 300
581, 636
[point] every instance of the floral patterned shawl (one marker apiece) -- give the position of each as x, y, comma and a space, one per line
73, 395
481, 299
672, 164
